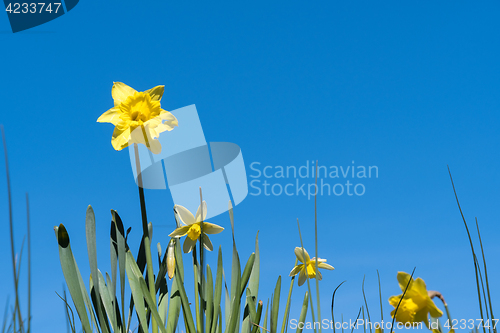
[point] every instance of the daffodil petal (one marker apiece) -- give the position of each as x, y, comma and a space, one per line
394, 300
299, 254
210, 228
137, 136
296, 270
207, 243
422, 316
319, 276
110, 116
185, 215
325, 266
434, 311
169, 120
179, 232
188, 245
302, 277
121, 92
419, 286
403, 279
202, 207
121, 137
156, 93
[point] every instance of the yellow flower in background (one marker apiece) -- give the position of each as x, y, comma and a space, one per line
138, 117
416, 305
308, 266
192, 227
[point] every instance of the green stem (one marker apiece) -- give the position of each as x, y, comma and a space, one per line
307, 277
316, 243
12, 247
288, 301
145, 231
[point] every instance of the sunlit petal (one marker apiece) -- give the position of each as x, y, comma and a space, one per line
179, 232
210, 228
185, 215
156, 93
202, 207
121, 92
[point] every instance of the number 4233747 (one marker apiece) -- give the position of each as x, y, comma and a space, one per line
470, 323
33, 8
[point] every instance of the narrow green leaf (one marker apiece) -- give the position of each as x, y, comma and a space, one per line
188, 316
246, 273
253, 284
249, 313
209, 297
107, 302
275, 306
218, 290
113, 253
303, 312
151, 303
92, 253
133, 274
266, 316
120, 241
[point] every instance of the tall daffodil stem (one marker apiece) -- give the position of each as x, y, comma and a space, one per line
145, 231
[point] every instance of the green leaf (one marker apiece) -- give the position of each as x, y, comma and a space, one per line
257, 317
253, 284
188, 316
92, 253
265, 316
209, 296
303, 311
133, 274
246, 273
71, 275
152, 304
218, 291
275, 306
107, 301
120, 241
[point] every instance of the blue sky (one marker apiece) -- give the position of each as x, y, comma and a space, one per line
409, 87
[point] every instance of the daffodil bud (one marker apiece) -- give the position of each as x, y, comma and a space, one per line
171, 258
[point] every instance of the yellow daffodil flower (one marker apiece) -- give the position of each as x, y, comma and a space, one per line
308, 266
138, 117
192, 227
416, 304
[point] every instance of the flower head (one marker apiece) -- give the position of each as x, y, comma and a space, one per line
138, 117
416, 304
193, 227
308, 266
